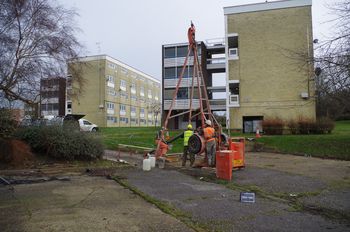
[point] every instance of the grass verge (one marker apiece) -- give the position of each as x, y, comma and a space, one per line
335, 145
137, 136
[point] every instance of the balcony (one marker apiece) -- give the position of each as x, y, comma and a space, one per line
178, 61
216, 42
110, 84
122, 88
216, 89
217, 104
182, 104
185, 82
49, 100
110, 111
216, 63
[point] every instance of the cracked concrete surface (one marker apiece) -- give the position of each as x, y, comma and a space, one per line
82, 204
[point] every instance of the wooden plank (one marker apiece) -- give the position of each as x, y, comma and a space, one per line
133, 146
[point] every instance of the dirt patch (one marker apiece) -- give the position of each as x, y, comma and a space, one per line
15, 153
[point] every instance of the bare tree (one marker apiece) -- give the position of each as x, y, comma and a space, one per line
156, 108
333, 58
37, 37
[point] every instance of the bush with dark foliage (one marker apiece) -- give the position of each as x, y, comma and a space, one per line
7, 123
309, 126
273, 126
62, 142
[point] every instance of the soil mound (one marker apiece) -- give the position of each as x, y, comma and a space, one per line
15, 153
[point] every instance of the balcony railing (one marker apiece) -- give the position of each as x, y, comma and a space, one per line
181, 104
185, 82
216, 63
49, 100
110, 111
178, 61
218, 104
215, 42
221, 60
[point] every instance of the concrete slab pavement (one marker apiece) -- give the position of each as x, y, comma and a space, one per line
219, 208
83, 203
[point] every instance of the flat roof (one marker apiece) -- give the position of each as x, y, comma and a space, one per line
111, 59
263, 6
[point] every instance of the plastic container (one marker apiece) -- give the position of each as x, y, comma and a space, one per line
161, 162
153, 161
238, 145
146, 165
224, 162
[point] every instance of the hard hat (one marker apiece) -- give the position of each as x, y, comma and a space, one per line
189, 126
208, 122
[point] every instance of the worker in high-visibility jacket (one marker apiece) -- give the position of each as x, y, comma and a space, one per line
210, 146
187, 134
161, 143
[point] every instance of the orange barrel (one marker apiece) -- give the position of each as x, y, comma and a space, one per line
238, 145
224, 163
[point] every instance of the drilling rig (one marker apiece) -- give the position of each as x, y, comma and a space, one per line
197, 142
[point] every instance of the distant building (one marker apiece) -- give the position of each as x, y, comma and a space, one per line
115, 94
53, 96
263, 80
212, 60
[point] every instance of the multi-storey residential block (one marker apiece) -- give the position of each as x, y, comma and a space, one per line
115, 94
266, 76
53, 96
212, 61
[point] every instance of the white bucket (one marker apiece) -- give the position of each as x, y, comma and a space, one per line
153, 161
146, 165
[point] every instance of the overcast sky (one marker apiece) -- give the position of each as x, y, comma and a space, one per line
133, 31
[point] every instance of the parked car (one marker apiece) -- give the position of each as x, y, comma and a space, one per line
70, 120
85, 125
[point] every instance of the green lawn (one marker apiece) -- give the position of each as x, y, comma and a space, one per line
335, 145
137, 136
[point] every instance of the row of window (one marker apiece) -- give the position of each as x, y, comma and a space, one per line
123, 87
122, 108
181, 51
183, 93
112, 119
125, 71
49, 94
112, 92
49, 106
110, 78
114, 66
173, 72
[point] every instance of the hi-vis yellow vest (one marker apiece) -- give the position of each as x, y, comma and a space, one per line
187, 135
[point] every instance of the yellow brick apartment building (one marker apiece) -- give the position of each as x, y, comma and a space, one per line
266, 78
115, 94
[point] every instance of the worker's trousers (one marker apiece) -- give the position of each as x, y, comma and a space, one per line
184, 157
211, 150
